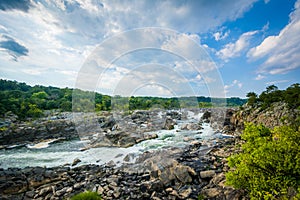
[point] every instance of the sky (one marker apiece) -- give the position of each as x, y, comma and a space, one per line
152, 48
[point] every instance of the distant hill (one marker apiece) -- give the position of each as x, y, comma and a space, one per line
27, 101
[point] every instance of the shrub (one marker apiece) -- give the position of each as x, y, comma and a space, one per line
269, 165
87, 196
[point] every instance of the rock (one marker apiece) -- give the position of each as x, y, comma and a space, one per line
218, 178
76, 161
111, 163
169, 189
77, 185
206, 116
186, 139
60, 192
100, 190
119, 155
30, 194
211, 192
182, 173
174, 115
116, 194
185, 193
169, 123
45, 191
174, 193
69, 190
129, 157
207, 174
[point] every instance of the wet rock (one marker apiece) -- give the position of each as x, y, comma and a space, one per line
76, 161
169, 123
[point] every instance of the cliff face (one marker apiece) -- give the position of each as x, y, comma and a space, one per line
277, 114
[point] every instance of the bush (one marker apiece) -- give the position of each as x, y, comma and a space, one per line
87, 196
269, 165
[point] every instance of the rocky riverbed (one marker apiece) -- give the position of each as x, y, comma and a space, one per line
188, 172
167, 174
102, 129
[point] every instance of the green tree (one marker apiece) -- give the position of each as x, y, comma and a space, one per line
34, 111
269, 165
271, 88
252, 98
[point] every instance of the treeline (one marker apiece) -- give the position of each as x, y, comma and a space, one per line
27, 101
272, 94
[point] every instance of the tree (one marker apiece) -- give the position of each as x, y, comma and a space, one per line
271, 89
252, 98
34, 111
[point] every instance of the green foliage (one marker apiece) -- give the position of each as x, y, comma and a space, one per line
34, 111
87, 196
291, 96
269, 165
200, 197
252, 98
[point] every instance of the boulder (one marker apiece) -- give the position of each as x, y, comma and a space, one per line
76, 161
169, 123
207, 174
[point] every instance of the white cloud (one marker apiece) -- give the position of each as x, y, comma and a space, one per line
232, 50
259, 77
235, 84
220, 35
276, 82
60, 34
280, 53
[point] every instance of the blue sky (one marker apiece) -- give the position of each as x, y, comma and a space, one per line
201, 47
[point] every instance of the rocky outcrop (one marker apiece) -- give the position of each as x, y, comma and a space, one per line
219, 118
36, 131
277, 114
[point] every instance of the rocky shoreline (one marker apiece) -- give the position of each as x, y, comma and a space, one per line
169, 174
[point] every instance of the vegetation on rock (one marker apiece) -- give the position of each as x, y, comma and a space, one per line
269, 165
87, 196
272, 94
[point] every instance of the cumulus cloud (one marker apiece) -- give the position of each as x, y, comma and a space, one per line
12, 47
66, 31
232, 50
280, 53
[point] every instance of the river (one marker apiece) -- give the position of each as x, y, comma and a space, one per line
55, 154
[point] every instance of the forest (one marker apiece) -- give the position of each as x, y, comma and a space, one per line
32, 101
